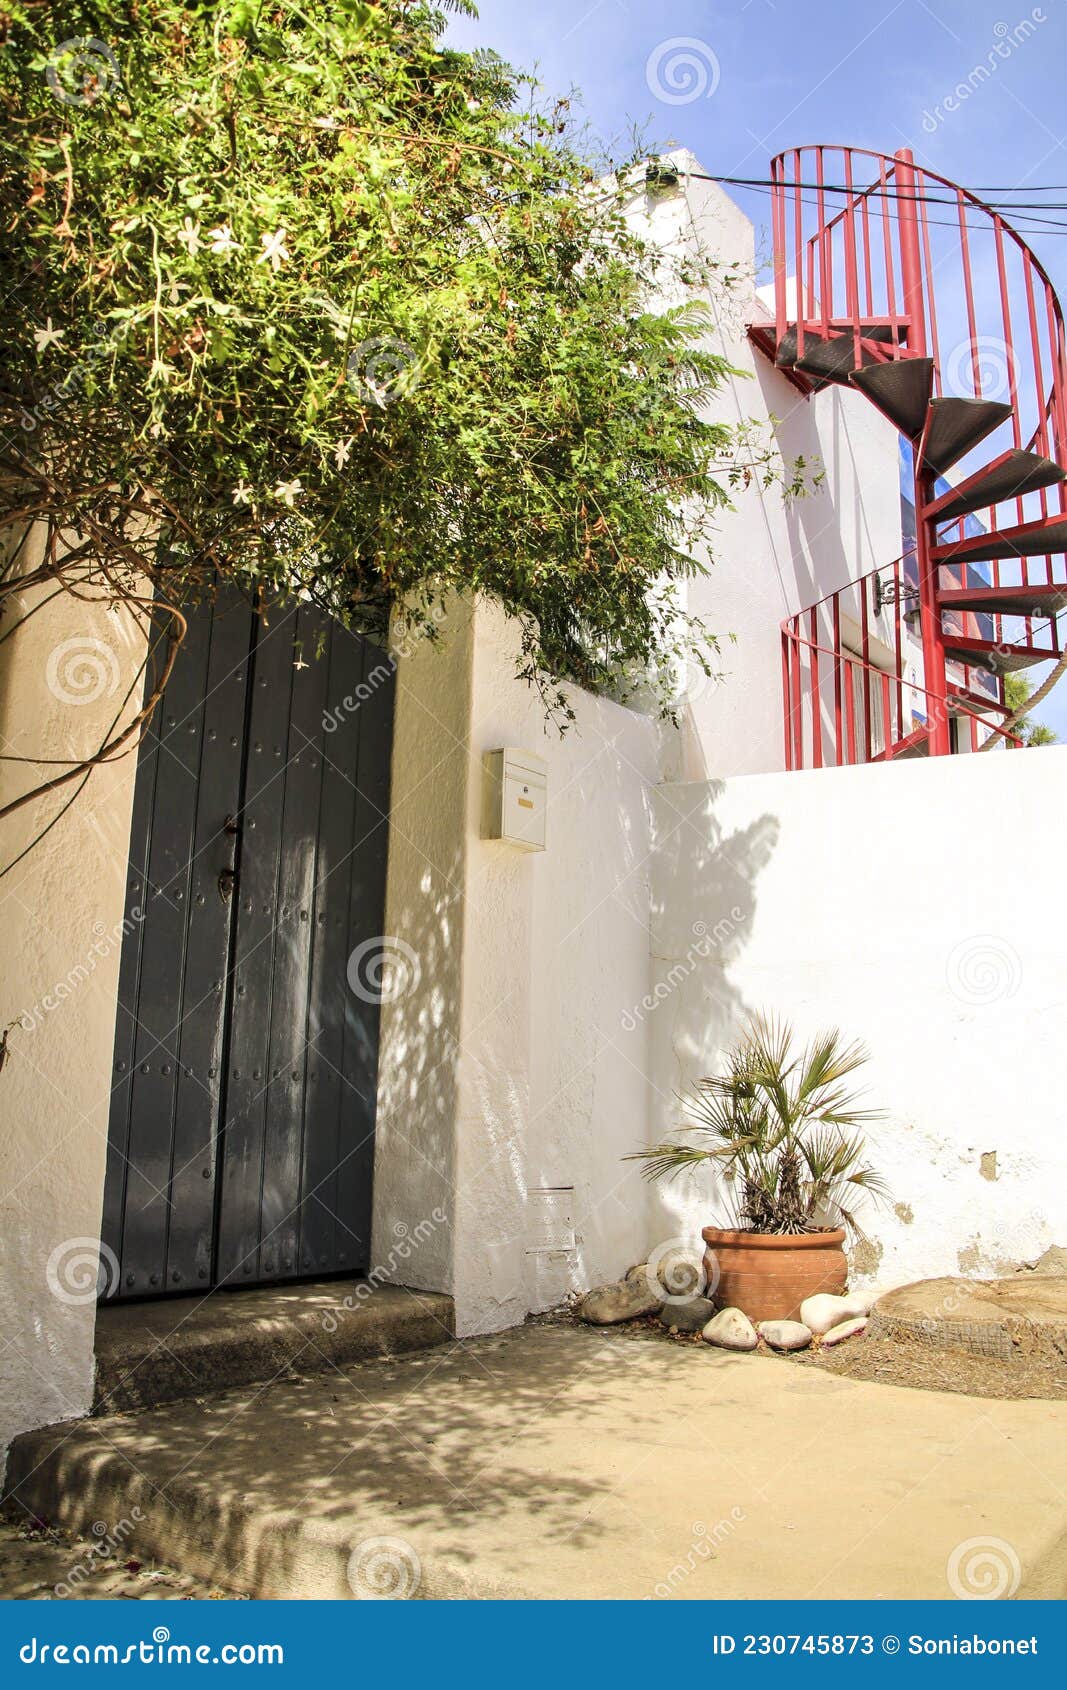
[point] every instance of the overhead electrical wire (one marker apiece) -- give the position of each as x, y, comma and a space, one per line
886, 192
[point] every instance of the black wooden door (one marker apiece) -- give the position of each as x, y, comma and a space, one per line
241, 1135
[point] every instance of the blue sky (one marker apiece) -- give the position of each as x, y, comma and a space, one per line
781, 73
792, 73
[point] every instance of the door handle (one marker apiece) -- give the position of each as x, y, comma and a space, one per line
227, 882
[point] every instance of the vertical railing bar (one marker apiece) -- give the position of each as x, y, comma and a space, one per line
898, 642
1059, 446
850, 711
887, 241
866, 653
838, 747
968, 290
1035, 349
826, 282
785, 700
865, 215
852, 297
934, 347
798, 238
816, 704
798, 723
780, 279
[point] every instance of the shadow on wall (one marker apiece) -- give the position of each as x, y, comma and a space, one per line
422, 950
589, 1032
829, 533
703, 909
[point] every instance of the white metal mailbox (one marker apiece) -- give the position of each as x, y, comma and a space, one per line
514, 798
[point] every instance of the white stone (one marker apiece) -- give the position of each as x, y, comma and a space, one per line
823, 1310
785, 1334
731, 1330
847, 1329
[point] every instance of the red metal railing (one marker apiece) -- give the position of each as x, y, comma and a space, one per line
843, 707
873, 261
860, 240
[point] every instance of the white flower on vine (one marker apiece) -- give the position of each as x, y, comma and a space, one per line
189, 235
48, 336
343, 451
274, 251
242, 494
288, 491
222, 240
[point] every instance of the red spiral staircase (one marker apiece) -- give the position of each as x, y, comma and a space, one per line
891, 280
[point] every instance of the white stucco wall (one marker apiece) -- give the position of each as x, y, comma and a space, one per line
62, 680
504, 1068
414, 1169
916, 906
555, 952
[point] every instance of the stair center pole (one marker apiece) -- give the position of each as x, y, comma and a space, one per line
914, 307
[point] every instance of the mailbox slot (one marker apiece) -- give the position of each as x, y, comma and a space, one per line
515, 797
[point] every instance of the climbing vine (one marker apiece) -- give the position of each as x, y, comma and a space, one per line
300, 298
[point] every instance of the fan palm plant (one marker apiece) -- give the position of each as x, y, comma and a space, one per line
785, 1131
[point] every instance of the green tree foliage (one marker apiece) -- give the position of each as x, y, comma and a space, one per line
1017, 690
299, 297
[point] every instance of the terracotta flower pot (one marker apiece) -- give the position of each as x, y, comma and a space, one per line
768, 1275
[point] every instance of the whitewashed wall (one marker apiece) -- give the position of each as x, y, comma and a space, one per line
556, 951
917, 906
63, 677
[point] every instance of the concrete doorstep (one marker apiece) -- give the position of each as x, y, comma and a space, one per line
555, 1462
150, 1353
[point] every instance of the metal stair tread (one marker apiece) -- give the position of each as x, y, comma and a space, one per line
900, 390
1009, 476
955, 426
1029, 539
995, 659
1034, 600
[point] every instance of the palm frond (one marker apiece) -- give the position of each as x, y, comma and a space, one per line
784, 1129
667, 1161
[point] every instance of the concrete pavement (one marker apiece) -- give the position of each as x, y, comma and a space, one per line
554, 1461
